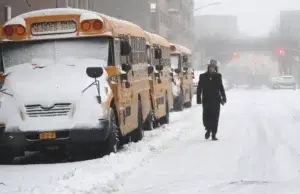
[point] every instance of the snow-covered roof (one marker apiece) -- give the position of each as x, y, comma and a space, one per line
156, 39
117, 26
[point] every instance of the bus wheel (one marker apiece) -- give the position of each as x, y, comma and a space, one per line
189, 104
138, 133
149, 124
166, 119
179, 103
112, 143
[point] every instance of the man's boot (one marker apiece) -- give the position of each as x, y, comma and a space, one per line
213, 137
207, 134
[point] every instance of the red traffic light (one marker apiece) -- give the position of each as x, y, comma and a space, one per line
280, 52
235, 55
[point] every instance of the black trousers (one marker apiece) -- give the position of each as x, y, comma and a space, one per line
211, 114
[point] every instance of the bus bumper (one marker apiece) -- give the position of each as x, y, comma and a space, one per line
37, 141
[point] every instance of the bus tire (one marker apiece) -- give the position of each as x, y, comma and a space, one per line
112, 143
189, 104
179, 103
166, 119
138, 133
149, 123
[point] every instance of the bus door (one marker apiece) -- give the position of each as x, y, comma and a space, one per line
125, 94
159, 87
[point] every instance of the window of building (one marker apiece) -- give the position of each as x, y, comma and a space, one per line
69, 3
73, 3
91, 5
153, 7
86, 4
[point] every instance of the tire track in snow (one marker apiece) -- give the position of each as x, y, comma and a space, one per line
270, 150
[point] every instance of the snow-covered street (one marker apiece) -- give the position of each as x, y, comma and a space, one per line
258, 152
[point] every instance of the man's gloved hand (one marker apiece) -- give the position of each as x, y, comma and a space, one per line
223, 101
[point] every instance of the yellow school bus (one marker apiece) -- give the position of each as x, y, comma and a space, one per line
88, 80
158, 56
182, 76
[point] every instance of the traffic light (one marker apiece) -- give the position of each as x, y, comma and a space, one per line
235, 58
235, 55
281, 52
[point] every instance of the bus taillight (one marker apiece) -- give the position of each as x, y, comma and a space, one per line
20, 30
8, 30
97, 25
172, 48
86, 25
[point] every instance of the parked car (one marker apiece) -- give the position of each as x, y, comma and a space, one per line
284, 82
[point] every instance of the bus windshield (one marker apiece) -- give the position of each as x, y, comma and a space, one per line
16, 53
174, 61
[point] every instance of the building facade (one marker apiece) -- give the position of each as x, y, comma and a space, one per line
136, 11
182, 25
220, 26
160, 20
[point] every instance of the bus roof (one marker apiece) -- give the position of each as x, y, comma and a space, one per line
115, 26
156, 39
186, 50
176, 48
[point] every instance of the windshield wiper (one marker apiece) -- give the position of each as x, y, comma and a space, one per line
4, 92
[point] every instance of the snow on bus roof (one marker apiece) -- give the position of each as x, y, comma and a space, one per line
16, 21
181, 49
156, 39
186, 50
56, 11
119, 26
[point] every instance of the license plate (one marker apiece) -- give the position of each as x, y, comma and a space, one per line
47, 135
55, 27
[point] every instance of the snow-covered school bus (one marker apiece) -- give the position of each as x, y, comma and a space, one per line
72, 77
182, 75
158, 56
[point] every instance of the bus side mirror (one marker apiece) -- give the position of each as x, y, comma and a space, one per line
94, 72
126, 67
150, 69
157, 53
177, 70
184, 59
125, 48
159, 67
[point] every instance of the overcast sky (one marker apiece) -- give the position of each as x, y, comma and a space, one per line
256, 17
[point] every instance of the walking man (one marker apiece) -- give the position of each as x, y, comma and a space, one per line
211, 93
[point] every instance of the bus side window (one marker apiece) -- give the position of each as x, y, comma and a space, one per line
117, 47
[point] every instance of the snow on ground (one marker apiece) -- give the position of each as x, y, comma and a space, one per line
102, 175
258, 152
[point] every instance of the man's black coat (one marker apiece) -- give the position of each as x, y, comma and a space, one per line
210, 93
210, 88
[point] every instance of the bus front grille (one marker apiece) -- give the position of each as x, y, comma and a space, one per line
58, 109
